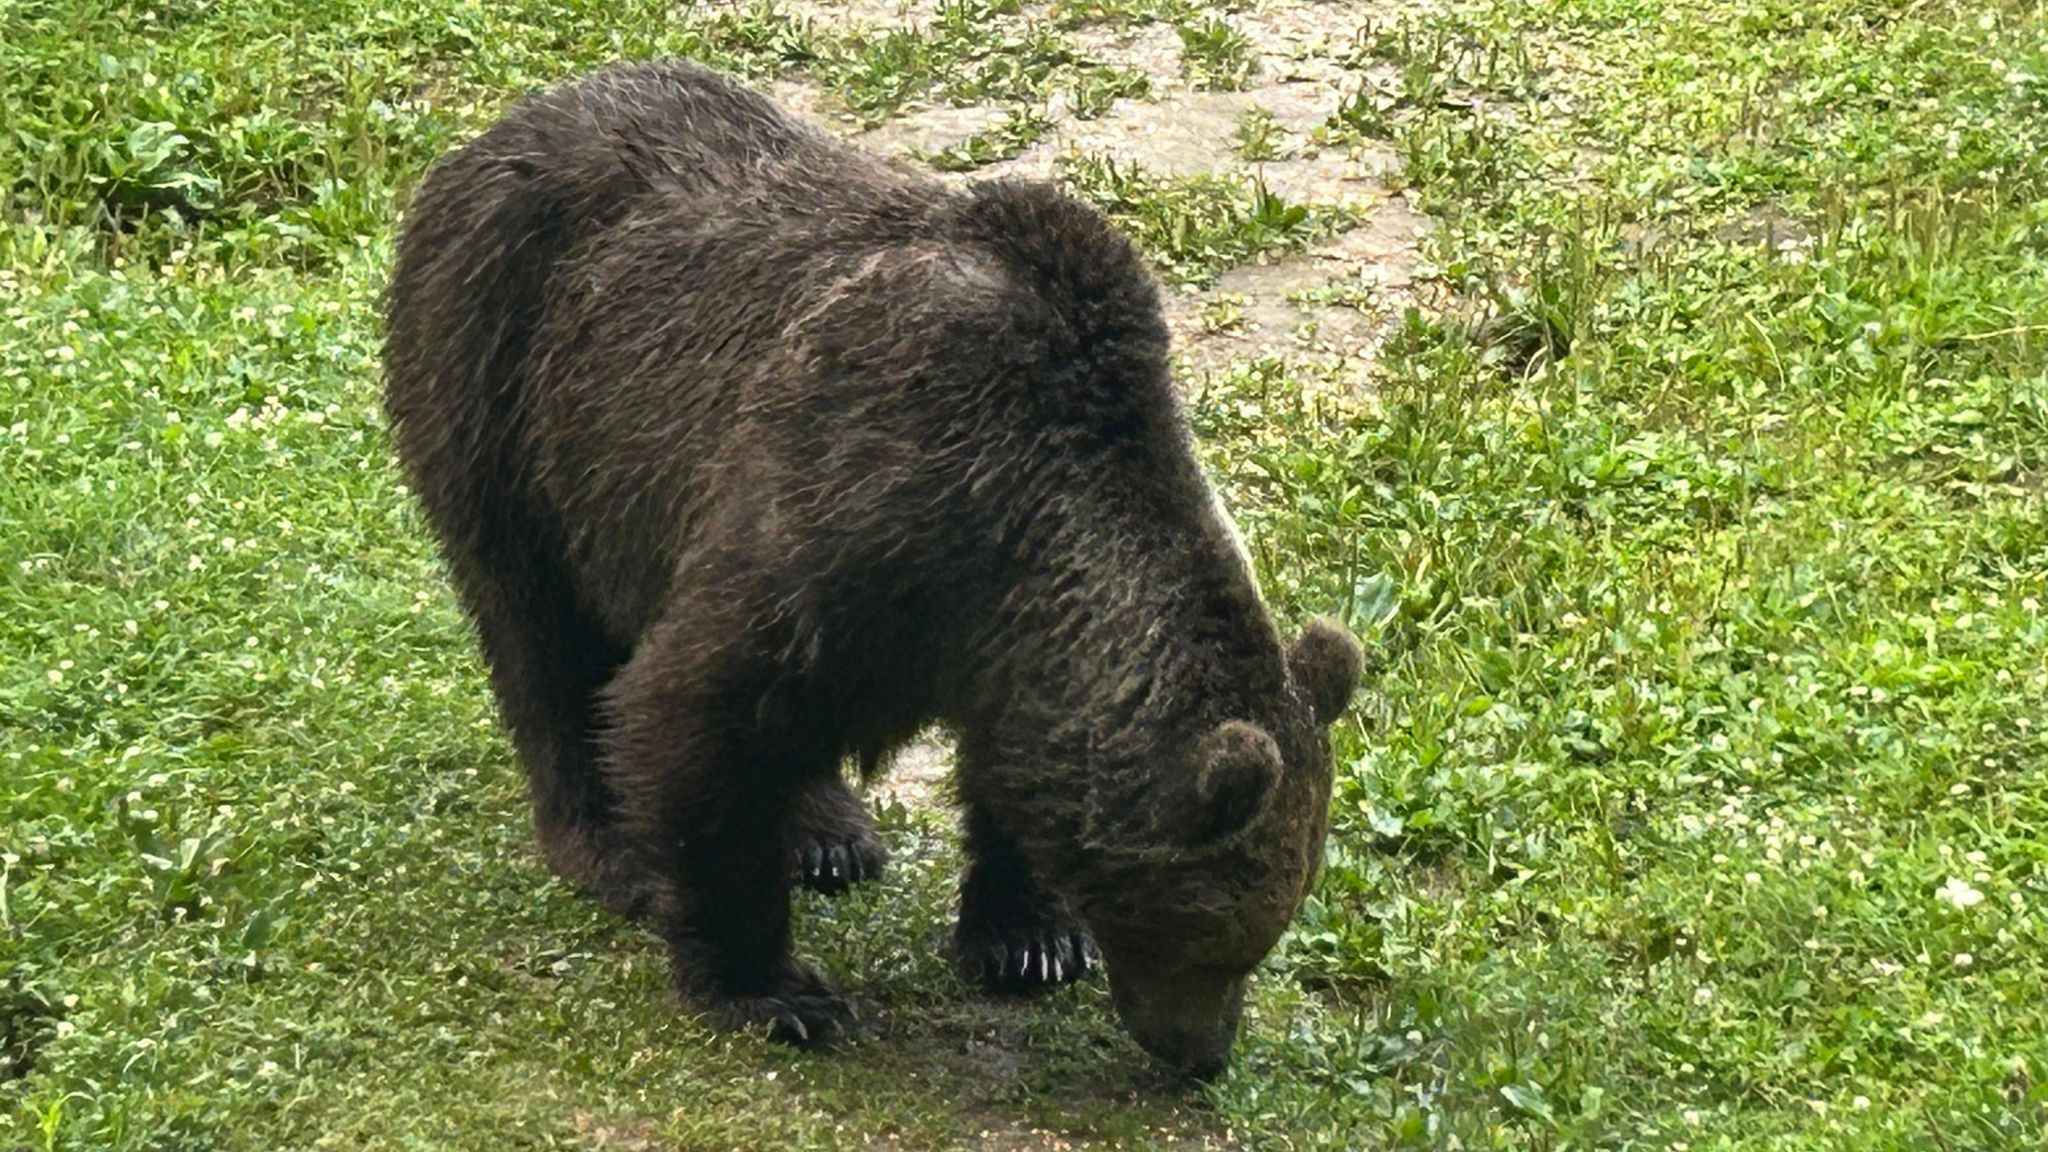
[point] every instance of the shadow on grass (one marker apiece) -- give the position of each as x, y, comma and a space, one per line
932, 1062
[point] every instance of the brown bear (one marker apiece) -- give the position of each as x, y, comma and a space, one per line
749, 453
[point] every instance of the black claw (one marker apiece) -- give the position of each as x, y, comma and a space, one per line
814, 861
835, 863
853, 868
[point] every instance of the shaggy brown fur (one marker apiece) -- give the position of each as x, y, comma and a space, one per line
749, 452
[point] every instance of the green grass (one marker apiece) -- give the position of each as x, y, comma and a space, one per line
1018, 130
1700, 523
1258, 135
1081, 13
1193, 227
967, 56
1215, 55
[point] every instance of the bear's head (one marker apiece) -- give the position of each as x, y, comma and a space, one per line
1208, 866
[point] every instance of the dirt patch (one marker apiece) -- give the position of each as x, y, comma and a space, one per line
921, 774
1198, 133
619, 1135
1768, 224
1331, 306
1298, 106
866, 14
798, 96
1017, 1138
930, 129
1312, 42
1186, 134
1344, 175
989, 1059
1152, 50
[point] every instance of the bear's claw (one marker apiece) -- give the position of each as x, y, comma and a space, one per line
833, 843
833, 867
803, 1010
1028, 961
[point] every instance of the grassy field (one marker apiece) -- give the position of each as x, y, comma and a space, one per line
1698, 511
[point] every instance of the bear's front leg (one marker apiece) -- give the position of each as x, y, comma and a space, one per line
1013, 935
727, 923
703, 784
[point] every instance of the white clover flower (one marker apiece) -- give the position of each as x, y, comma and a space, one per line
1959, 892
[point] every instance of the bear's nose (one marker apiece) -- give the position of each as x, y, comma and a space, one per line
1193, 1057
1198, 1056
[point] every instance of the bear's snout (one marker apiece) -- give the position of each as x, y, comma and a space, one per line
1209, 1065
1187, 1020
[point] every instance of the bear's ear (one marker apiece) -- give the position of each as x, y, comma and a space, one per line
1239, 766
1325, 662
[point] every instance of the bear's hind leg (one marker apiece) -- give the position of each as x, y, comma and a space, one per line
832, 839
1013, 936
547, 664
705, 775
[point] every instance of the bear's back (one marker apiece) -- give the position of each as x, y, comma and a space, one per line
762, 306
